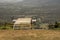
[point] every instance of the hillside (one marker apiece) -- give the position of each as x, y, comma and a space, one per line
48, 9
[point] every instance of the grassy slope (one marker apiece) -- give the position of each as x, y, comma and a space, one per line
29, 35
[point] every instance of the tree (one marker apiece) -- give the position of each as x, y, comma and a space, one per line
56, 24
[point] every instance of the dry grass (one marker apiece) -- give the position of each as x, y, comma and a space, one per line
29, 35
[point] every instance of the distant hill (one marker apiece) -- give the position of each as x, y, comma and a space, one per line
49, 9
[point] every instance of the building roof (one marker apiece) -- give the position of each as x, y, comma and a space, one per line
23, 21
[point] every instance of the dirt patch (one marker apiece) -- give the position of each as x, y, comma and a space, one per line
29, 35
